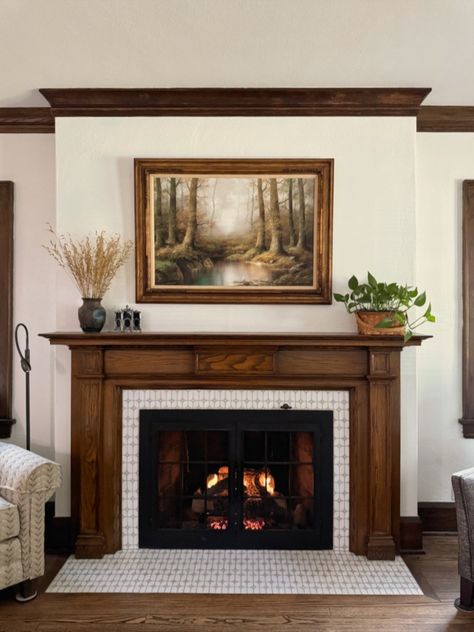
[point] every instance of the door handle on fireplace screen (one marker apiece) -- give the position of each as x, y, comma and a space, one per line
236, 479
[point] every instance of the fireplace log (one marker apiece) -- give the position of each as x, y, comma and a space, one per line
221, 488
300, 516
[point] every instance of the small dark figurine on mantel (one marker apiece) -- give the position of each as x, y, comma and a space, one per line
128, 320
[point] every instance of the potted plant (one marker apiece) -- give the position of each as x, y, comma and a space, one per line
382, 308
93, 262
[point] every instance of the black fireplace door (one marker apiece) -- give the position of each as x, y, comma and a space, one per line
236, 479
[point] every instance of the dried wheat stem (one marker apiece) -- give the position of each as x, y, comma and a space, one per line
93, 261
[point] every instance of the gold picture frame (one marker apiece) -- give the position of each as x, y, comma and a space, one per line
233, 231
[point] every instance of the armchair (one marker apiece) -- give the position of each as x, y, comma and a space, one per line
27, 481
463, 486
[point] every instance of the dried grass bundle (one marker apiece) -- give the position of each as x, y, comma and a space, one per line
93, 261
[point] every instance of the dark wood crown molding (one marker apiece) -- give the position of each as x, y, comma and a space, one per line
26, 121
236, 101
445, 118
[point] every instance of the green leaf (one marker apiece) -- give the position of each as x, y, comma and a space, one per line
430, 318
353, 283
339, 298
372, 281
421, 299
400, 317
408, 335
384, 323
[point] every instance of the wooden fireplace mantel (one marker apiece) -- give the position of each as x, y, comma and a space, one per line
104, 364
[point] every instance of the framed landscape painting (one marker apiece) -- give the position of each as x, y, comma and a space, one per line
233, 231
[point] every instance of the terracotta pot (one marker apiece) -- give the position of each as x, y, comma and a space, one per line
91, 315
366, 322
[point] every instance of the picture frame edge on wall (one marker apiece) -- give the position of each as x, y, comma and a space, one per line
321, 293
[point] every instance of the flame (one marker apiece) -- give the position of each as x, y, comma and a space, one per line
219, 525
223, 472
248, 478
254, 524
266, 480
212, 479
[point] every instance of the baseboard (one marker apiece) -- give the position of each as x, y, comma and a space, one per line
59, 536
411, 534
6, 428
438, 517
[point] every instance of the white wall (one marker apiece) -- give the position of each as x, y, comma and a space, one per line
28, 160
96, 157
374, 223
443, 161
243, 43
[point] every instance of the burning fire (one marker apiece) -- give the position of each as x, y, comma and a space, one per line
219, 525
250, 524
255, 481
212, 479
223, 472
254, 524
266, 480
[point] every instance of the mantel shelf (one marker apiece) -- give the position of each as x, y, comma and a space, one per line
150, 338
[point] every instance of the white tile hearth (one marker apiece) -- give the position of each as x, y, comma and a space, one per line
169, 399
235, 572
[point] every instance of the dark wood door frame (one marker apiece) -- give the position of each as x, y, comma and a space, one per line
467, 419
6, 307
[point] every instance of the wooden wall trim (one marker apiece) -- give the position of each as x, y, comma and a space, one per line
438, 516
445, 118
411, 534
58, 532
467, 419
236, 101
6, 307
26, 121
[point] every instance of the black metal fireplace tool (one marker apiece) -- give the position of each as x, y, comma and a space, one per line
26, 367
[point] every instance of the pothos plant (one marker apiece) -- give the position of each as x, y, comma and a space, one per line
393, 298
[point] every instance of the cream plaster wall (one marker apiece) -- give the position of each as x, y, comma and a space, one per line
443, 161
374, 224
28, 160
243, 43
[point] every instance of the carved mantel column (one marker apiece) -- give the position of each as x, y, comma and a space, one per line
384, 454
86, 439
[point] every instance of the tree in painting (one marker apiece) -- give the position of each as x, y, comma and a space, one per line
233, 231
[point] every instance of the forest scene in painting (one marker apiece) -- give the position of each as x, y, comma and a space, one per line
233, 231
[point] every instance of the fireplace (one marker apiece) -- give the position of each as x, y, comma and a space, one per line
236, 479
106, 365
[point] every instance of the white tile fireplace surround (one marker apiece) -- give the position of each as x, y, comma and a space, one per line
136, 400
134, 570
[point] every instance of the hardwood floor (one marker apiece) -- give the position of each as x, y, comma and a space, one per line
436, 571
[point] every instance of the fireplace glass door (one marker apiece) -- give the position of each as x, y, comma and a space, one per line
235, 479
